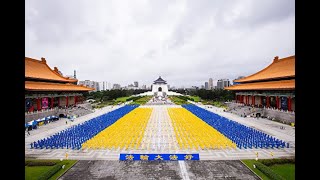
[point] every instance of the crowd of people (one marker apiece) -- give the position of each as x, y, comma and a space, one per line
126, 133
241, 135
73, 137
193, 133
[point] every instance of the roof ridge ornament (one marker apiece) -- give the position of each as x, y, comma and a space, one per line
276, 59
43, 60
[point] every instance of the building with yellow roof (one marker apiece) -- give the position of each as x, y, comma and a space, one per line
271, 87
46, 88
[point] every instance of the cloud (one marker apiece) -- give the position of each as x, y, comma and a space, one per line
186, 42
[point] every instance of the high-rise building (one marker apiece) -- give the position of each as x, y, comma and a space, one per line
136, 84
97, 86
206, 85
116, 86
109, 86
91, 84
210, 83
222, 83
104, 85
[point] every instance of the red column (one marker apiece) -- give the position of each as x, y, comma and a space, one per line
289, 103
277, 102
67, 101
75, 100
58, 101
261, 98
247, 98
252, 100
38, 104
52, 102
268, 103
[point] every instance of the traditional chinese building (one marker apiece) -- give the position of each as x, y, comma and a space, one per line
46, 88
272, 87
160, 87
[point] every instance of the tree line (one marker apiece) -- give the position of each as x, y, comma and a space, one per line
215, 94
112, 94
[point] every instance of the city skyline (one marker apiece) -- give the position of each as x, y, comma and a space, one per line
185, 42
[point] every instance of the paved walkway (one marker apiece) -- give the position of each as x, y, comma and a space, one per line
159, 170
159, 134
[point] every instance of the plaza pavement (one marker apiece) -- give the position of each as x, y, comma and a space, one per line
267, 126
186, 170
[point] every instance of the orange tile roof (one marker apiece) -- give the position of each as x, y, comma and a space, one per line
279, 68
45, 86
269, 85
37, 69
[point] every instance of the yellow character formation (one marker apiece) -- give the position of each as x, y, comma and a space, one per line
190, 132
193, 133
144, 157
126, 133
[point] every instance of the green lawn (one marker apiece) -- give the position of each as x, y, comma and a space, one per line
195, 98
250, 163
122, 99
68, 163
141, 101
178, 101
33, 172
214, 103
285, 170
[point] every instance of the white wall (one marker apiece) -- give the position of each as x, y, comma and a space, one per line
163, 86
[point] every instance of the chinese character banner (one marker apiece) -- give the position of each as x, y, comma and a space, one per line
156, 157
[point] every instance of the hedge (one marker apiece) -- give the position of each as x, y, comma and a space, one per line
270, 162
186, 98
134, 98
268, 172
40, 163
50, 173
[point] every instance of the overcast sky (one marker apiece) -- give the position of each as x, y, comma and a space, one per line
184, 41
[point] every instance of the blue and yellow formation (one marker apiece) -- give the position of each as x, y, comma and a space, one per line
243, 136
75, 136
193, 133
194, 128
126, 133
